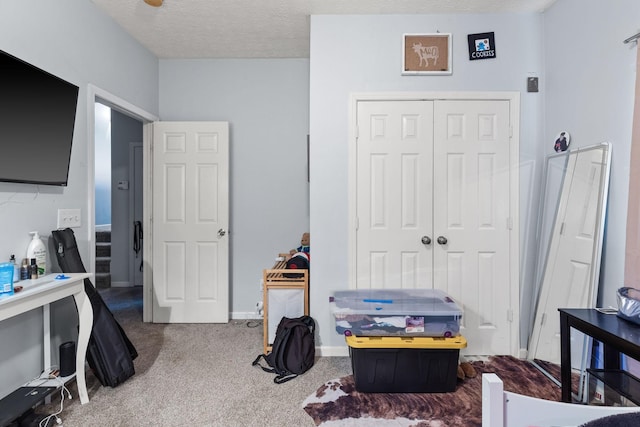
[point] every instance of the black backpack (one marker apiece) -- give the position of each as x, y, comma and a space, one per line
293, 351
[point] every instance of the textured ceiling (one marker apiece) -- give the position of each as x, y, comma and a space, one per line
264, 28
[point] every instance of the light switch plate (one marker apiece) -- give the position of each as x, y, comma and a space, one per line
69, 218
532, 84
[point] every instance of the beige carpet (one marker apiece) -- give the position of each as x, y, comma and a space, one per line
201, 375
195, 375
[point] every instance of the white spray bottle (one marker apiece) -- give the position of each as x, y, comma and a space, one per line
38, 250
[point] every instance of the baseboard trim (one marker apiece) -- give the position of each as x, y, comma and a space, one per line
326, 351
245, 315
323, 351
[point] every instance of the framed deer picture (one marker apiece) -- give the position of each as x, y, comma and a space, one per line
426, 54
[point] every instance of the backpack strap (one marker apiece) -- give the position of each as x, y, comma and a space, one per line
308, 320
284, 378
257, 362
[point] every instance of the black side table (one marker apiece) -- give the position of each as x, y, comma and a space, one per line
617, 336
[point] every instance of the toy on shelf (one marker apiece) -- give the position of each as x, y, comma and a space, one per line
304, 244
304, 248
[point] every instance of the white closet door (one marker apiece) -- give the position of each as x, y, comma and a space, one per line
471, 213
439, 169
395, 182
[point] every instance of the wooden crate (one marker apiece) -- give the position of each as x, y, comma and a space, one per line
273, 280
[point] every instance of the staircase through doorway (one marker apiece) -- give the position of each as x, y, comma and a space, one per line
103, 259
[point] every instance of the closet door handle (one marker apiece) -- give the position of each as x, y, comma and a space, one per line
442, 240
221, 233
426, 240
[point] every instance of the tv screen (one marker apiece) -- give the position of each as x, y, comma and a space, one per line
37, 117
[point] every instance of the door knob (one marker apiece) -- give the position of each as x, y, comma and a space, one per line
426, 240
442, 240
221, 233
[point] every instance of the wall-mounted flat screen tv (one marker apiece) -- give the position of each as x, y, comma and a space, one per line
37, 117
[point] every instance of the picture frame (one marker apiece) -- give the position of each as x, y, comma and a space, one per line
426, 54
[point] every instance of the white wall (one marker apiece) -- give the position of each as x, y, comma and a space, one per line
75, 41
587, 80
590, 91
266, 103
363, 54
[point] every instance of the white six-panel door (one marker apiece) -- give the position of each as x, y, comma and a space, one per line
471, 212
439, 169
190, 222
395, 184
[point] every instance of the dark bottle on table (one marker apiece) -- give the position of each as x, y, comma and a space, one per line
25, 273
33, 269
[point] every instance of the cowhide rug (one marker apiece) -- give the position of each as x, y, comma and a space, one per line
337, 404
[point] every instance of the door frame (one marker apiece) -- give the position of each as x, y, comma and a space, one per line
96, 94
514, 185
133, 170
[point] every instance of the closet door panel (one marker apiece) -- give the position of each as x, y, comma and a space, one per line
471, 217
394, 194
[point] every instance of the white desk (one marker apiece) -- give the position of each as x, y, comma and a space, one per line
40, 293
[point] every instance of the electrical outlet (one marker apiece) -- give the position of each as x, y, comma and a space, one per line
69, 218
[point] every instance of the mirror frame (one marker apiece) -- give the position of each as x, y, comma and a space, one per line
543, 281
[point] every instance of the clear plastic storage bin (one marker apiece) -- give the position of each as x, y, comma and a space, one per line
396, 312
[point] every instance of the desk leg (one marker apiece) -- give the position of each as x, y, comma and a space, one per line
85, 315
611, 357
46, 343
565, 357
46, 324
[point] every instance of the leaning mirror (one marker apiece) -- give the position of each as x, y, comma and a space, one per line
554, 174
571, 269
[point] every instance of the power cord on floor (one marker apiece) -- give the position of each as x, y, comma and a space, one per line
54, 375
250, 323
254, 323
